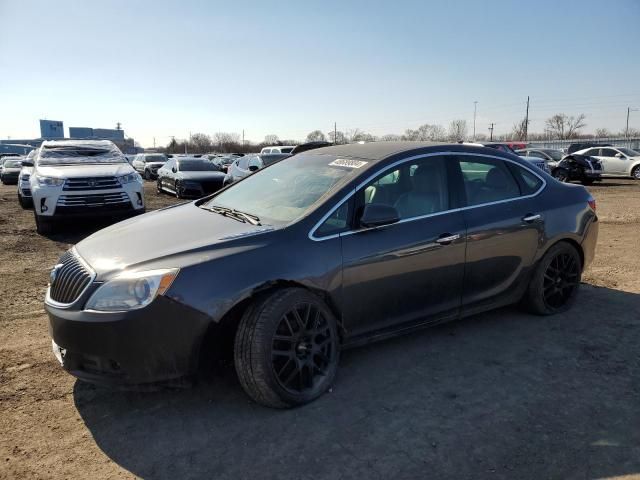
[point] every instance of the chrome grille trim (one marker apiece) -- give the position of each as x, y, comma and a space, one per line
94, 200
73, 278
91, 183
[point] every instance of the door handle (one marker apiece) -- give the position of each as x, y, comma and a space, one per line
531, 217
446, 239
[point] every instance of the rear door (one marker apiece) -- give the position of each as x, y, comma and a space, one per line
503, 230
411, 271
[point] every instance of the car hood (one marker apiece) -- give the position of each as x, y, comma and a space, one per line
201, 175
176, 236
84, 170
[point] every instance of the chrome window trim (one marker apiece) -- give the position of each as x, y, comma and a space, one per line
49, 301
421, 217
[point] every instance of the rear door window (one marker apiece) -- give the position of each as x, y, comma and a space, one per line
487, 180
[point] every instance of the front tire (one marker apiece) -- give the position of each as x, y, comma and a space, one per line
635, 173
555, 281
44, 226
286, 349
176, 188
561, 174
147, 175
25, 203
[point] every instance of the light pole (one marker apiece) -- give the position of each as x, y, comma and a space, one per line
475, 105
629, 110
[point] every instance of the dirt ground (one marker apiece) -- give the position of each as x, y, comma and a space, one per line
499, 395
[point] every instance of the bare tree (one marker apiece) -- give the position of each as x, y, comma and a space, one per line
602, 132
457, 130
200, 143
316, 136
425, 133
226, 142
390, 137
337, 137
271, 139
357, 135
519, 130
565, 127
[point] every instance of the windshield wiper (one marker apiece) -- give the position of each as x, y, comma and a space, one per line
235, 214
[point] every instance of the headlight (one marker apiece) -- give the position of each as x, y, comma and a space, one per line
130, 291
24, 178
131, 177
49, 181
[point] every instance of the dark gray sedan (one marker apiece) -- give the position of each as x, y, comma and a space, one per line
189, 177
328, 249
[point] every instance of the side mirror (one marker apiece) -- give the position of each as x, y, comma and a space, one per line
619, 155
27, 163
253, 168
378, 214
174, 169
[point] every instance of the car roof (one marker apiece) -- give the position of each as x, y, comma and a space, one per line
375, 151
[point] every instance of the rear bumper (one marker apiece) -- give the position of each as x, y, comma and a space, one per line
155, 344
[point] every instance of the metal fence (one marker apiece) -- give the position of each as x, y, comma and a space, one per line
632, 142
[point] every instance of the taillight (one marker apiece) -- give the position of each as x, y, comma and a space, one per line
592, 203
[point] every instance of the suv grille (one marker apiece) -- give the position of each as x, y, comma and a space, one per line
71, 278
91, 183
97, 200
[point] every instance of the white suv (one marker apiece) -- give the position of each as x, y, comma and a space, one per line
73, 178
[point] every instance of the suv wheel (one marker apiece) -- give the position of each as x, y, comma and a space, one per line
287, 349
44, 226
555, 281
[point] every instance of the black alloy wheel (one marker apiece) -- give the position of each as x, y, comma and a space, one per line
286, 349
302, 349
555, 281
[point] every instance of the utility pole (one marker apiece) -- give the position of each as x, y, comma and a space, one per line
491, 132
243, 139
335, 133
475, 104
526, 121
154, 142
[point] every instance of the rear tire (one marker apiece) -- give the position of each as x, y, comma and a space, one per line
286, 349
147, 175
635, 173
175, 188
555, 281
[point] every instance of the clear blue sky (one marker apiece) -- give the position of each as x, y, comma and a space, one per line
170, 68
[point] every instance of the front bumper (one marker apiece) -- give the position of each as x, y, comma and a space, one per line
158, 343
9, 178
198, 190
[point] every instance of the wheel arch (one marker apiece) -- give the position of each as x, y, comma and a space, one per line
219, 335
571, 241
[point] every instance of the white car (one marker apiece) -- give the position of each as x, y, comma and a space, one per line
245, 166
616, 161
24, 188
82, 178
147, 164
277, 149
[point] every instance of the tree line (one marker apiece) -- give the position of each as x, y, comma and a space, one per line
557, 127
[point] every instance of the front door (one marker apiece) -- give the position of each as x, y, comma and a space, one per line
617, 163
411, 271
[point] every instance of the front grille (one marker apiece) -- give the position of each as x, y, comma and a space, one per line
94, 200
70, 279
211, 186
26, 192
91, 183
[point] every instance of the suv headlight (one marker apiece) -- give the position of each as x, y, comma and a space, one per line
49, 181
130, 177
130, 291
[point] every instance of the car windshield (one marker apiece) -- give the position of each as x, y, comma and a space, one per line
288, 189
555, 154
12, 164
629, 153
155, 158
72, 154
196, 166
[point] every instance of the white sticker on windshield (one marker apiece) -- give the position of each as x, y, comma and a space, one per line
343, 162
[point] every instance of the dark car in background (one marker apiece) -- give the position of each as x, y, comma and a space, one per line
331, 248
189, 177
11, 170
567, 168
223, 162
